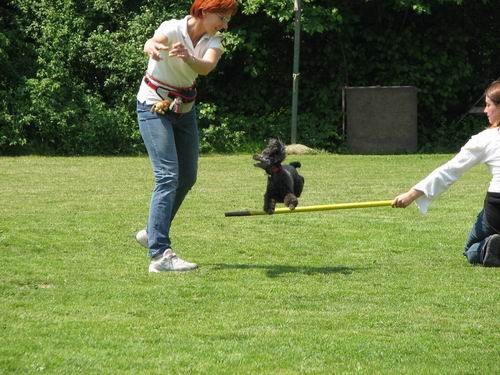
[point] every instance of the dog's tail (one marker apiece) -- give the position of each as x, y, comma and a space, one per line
296, 164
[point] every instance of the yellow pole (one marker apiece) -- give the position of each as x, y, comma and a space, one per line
324, 207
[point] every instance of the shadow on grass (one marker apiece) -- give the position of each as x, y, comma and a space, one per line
275, 270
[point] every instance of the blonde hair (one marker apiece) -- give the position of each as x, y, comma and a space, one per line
492, 92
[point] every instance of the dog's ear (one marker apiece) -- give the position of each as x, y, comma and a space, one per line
282, 148
277, 151
273, 142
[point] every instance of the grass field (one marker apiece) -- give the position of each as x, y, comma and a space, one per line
367, 291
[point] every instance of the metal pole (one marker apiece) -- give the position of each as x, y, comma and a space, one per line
296, 55
324, 207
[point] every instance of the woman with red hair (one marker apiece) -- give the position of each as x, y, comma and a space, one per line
483, 243
179, 51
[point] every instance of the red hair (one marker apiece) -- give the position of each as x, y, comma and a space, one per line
213, 6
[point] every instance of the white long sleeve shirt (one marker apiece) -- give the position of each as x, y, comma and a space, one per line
173, 70
482, 148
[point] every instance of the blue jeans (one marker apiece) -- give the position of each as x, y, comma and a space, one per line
173, 147
478, 239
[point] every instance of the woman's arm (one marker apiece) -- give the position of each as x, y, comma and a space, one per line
201, 66
207, 63
405, 199
155, 45
472, 153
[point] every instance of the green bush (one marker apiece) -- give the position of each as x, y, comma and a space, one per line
216, 135
70, 70
220, 138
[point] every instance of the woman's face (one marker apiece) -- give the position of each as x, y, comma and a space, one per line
215, 22
492, 111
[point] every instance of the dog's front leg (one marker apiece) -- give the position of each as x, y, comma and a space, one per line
291, 201
269, 204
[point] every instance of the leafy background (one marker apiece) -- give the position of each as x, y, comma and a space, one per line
70, 70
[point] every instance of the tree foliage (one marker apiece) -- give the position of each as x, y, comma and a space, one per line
70, 70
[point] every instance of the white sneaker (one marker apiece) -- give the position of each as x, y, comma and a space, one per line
142, 238
168, 261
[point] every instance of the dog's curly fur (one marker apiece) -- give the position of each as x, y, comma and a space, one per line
284, 184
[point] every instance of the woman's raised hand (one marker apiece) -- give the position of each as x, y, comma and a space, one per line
154, 48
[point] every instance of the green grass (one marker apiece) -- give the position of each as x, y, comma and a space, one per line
367, 291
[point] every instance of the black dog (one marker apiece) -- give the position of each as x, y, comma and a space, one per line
284, 184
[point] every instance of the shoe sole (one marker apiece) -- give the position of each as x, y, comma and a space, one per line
182, 270
492, 253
